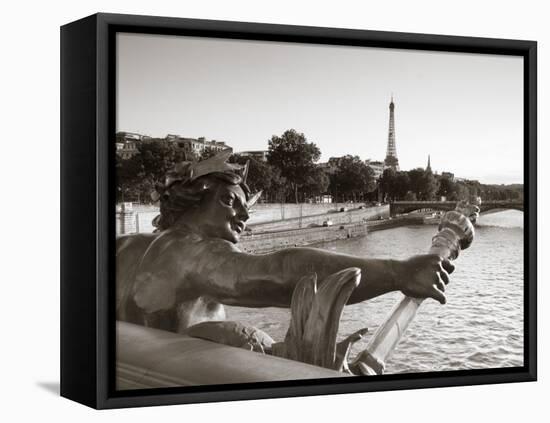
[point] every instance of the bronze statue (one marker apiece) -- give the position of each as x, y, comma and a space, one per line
183, 273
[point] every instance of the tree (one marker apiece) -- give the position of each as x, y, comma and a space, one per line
317, 183
474, 187
462, 192
429, 187
394, 185
501, 192
294, 157
410, 196
158, 157
137, 176
386, 183
402, 185
416, 177
278, 190
423, 184
352, 177
128, 177
447, 188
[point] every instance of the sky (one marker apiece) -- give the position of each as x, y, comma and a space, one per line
464, 110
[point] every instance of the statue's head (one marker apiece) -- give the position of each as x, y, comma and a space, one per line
210, 197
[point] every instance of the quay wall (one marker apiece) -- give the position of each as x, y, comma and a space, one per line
337, 218
394, 223
271, 241
271, 212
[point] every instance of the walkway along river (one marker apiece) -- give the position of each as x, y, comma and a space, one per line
481, 326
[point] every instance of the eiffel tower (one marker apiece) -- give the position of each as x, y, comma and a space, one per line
391, 160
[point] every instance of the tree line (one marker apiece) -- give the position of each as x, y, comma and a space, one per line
291, 174
422, 185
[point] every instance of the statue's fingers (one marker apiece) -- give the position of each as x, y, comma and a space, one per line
444, 276
437, 295
448, 266
440, 285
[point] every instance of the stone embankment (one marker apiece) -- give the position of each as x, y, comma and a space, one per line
263, 242
330, 217
272, 212
271, 241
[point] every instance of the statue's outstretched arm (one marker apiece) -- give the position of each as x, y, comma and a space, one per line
221, 271
269, 279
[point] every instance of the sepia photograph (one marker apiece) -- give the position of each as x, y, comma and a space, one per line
293, 211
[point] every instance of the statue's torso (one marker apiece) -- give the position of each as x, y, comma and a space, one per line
186, 312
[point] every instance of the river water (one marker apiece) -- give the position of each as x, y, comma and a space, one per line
480, 327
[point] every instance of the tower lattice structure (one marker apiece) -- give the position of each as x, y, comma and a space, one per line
391, 160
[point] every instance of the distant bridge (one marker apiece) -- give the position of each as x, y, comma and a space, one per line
401, 207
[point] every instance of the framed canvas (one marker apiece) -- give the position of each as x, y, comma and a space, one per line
258, 211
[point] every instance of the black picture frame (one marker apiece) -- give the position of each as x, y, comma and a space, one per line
87, 204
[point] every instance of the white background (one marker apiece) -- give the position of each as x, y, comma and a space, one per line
30, 212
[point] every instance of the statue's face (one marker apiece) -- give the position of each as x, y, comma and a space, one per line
223, 212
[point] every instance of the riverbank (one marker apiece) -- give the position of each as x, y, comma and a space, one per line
264, 242
322, 217
336, 224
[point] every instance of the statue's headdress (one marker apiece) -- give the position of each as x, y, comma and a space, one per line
185, 173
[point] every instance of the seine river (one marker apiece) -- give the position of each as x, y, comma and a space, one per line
481, 326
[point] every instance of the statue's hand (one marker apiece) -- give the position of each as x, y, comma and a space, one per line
424, 276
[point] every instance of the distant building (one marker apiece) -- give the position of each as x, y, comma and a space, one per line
198, 145
216, 145
126, 150
377, 167
123, 136
259, 155
127, 142
448, 175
